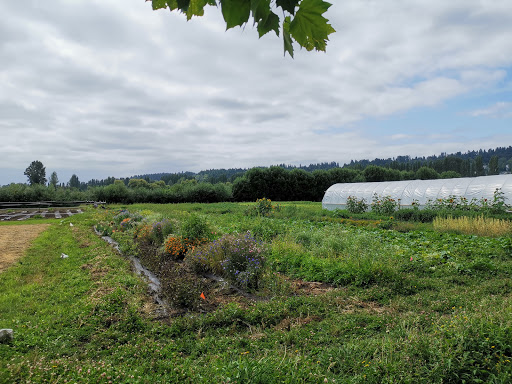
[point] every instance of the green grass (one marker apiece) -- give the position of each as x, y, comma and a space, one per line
443, 317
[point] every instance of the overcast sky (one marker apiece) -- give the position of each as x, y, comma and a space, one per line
111, 88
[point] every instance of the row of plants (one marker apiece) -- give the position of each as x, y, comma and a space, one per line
386, 205
183, 250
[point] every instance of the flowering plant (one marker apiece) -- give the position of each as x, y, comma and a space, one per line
384, 205
239, 258
177, 246
263, 207
354, 205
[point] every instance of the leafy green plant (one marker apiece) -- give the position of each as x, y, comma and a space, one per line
196, 227
266, 229
176, 247
244, 261
498, 205
384, 205
262, 207
355, 205
239, 258
125, 220
161, 229
105, 229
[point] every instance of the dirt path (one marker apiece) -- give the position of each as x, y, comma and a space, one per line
14, 241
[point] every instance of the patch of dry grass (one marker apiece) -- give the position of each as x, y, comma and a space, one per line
480, 226
15, 240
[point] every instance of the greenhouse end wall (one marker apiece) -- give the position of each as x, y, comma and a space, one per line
421, 192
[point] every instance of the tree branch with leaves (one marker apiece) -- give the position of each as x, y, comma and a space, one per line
302, 21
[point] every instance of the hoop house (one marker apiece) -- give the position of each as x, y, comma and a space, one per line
420, 191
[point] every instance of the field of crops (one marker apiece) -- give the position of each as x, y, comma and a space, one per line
260, 293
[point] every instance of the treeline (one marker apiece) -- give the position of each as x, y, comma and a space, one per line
275, 183
222, 175
118, 192
279, 184
469, 164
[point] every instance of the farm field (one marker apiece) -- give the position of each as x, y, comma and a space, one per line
332, 299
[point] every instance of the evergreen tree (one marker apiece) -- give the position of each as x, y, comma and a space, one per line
54, 180
74, 182
479, 166
493, 166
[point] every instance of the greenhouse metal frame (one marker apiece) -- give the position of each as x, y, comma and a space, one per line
420, 192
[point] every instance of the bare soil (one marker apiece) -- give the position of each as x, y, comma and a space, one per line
15, 240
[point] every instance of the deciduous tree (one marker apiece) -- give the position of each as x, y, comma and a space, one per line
36, 173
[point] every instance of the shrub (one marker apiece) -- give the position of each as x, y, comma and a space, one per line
126, 220
239, 258
142, 233
406, 214
243, 265
263, 207
160, 230
355, 205
412, 214
196, 228
176, 247
384, 205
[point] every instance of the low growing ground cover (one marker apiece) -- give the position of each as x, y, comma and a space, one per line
335, 300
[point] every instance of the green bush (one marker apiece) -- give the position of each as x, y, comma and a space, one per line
262, 207
384, 205
355, 205
160, 230
239, 258
196, 227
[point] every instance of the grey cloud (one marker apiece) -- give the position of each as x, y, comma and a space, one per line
122, 89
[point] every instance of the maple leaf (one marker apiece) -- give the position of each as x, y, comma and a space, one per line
235, 12
157, 4
309, 28
288, 5
287, 39
265, 19
196, 8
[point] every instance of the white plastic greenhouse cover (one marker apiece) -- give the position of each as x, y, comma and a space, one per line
421, 191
